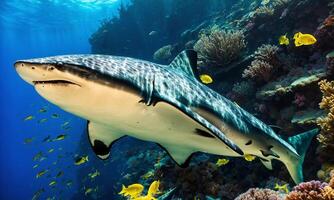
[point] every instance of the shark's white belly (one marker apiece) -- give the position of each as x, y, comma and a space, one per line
122, 112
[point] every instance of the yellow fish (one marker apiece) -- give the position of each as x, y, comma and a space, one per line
206, 79
89, 190
52, 183
41, 173
304, 39
95, 174
81, 160
283, 40
30, 117
133, 190
283, 188
249, 157
222, 161
28, 140
153, 189
35, 166
60, 137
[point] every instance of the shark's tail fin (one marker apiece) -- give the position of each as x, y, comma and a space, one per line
300, 143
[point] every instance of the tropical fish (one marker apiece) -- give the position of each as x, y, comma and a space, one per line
206, 79
55, 116
90, 190
65, 125
61, 173
28, 140
60, 137
167, 99
283, 188
81, 160
94, 174
38, 194
133, 190
41, 173
47, 139
35, 166
52, 183
30, 117
249, 157
222, 161
42, 110
42, 120
283, 40
38, 156
153, 189
51, 150
304, 39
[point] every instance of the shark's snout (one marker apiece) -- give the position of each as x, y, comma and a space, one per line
42, 74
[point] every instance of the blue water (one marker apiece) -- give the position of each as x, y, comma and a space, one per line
37, 28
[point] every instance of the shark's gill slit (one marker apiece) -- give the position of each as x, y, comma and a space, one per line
203, 133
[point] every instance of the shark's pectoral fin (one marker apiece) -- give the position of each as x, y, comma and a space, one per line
267, 163
101, 138
179, 155
186, 62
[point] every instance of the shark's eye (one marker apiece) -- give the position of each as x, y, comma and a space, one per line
32, 67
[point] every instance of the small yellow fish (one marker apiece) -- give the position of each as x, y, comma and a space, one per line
88, 190
30, 117
153, 189
304, 39
35, 166
95, 174
60, 137
51, 150
249, 157
206, 79
81, 160
133, 190
38, 156
283, 188
222, 161
65, 125
52, 183
283, 40
41, 173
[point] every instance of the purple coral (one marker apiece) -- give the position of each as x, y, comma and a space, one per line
312, 190
258, 193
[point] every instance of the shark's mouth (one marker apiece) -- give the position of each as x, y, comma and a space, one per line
55, 82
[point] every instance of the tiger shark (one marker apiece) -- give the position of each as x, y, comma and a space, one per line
165, 104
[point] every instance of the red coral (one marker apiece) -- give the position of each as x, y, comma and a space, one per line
312, 190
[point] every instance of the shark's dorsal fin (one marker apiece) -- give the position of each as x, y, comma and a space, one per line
101, 138
186, 62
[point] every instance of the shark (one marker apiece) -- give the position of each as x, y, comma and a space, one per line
165, 104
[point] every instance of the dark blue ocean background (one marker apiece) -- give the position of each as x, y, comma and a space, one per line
32, 28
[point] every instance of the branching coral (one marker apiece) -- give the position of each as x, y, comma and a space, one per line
257, 193
218, 47
312, 190
263, 12
326, 137
264, 65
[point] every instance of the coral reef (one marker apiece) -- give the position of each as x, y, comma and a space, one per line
218, 47
326, 137
257, 194
264, 65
